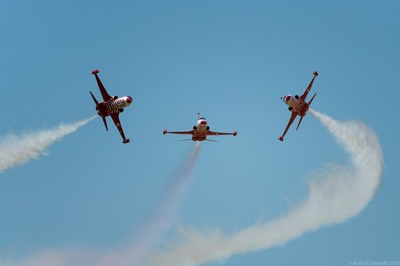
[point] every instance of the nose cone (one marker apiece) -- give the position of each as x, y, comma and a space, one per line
287, 98
203, 122
129, 100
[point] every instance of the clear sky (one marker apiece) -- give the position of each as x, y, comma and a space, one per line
229, 60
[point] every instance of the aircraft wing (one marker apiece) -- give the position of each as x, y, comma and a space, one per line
103, 91
292, 118
179, 132
115, 118
211, 133
304, 96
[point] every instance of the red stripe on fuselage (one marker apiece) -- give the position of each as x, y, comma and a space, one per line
111, 106
200, 133
299, 106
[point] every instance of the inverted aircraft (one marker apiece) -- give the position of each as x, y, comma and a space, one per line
200, 131
298, 105
111, 106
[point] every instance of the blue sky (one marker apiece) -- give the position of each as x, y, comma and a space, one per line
229, 60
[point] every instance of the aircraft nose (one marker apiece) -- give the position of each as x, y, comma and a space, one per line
203, 122
129, 100
286, 98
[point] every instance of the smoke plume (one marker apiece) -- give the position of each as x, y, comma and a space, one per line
16, 150
336, 193
162, 218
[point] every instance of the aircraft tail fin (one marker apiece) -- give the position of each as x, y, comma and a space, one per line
105, 122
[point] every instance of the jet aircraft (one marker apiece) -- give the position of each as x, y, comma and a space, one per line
200, 131
298, 105
111, 106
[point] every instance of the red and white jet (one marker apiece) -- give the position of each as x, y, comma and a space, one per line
200, 131
298, 105
111, 106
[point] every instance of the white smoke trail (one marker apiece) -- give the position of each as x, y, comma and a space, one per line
17, 150
163, 217
133, 255
337, 194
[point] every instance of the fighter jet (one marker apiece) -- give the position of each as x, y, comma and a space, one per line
111, 106
298, 105
200, 131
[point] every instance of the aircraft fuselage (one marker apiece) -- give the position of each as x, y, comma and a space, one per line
296, 104
113, 106
200, 130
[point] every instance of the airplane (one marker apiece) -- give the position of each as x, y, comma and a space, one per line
200, 131
298, 105
111, 106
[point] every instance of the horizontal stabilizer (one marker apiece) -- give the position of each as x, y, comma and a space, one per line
105, 122
94, 98
301, 118
312, 99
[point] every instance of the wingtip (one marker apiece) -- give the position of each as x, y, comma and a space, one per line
165, 131
126, 141
280, 138
315, 73
234, 133
96, 71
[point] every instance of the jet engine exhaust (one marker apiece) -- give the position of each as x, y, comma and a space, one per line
336, 194
17, 150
